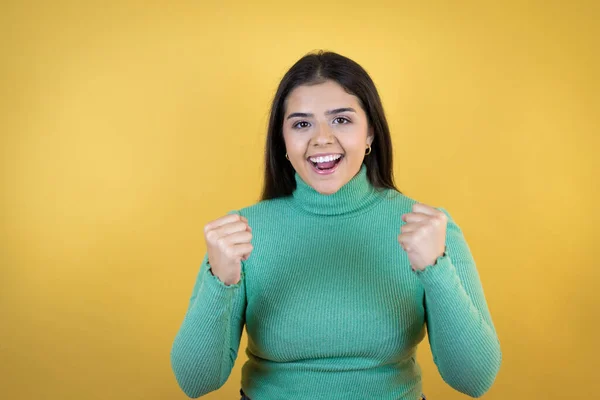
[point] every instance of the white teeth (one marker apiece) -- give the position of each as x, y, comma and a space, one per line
325, 159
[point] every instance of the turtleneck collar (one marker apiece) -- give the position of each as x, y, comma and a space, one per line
355, 196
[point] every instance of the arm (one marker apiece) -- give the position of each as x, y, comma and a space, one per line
463, 340
206, 346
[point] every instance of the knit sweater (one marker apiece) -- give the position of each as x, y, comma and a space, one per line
332, 308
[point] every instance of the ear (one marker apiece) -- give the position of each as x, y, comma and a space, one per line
370, 135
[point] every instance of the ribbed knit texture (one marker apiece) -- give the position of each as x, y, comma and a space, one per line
332, 307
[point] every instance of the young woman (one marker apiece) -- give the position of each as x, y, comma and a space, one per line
335, 273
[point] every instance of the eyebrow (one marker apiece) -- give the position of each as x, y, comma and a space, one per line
328, 112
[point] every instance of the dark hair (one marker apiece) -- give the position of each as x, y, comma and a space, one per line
312, 69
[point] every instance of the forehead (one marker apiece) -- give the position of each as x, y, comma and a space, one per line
319, 98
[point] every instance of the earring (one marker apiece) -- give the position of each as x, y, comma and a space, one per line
368, 150
286, 156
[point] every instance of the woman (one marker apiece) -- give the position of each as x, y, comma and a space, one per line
335, 273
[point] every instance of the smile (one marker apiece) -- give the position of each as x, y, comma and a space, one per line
325, 165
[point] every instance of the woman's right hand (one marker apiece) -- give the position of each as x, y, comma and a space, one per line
228, 243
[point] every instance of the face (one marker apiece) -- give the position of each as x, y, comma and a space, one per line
326, 134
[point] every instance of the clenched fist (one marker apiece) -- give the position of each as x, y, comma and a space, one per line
228, 243
423, 236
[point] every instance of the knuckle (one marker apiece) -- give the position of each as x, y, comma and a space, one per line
221, 242
211, 236
229, 253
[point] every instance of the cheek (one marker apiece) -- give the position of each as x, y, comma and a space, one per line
294, 145
354, 146
287, 139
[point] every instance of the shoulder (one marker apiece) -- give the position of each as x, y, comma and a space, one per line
399, 202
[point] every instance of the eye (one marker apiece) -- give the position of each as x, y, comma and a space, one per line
343, 119
297, 125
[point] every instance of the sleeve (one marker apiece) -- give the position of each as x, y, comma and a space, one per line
207, 343
462, 336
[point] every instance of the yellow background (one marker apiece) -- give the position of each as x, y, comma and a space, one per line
127, 126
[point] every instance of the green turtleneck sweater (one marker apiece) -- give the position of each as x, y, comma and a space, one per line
332, 308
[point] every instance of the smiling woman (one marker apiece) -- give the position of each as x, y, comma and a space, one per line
326, 104
326, 134
333, 299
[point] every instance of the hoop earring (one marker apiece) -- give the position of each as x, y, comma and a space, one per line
286, 156
368, 150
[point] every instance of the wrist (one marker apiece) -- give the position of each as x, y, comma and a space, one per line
225, 281
444, 254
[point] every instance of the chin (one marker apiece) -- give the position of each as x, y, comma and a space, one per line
329, 184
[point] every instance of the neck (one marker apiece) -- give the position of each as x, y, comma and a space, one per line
354, 197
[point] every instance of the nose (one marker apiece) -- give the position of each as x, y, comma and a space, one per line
323, 135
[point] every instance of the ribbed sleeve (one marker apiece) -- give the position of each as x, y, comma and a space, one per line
463, 340
207, 343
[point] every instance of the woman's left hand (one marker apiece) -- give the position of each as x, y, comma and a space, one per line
423, 237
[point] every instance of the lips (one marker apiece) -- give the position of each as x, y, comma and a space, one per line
326, 168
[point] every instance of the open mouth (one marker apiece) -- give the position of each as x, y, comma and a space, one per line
326, 165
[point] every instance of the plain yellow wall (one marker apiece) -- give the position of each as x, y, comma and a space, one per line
125, 127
